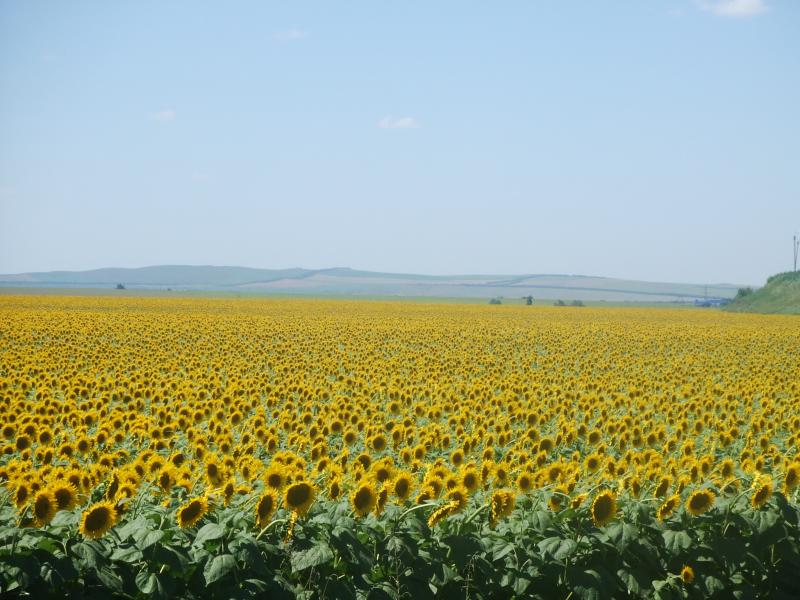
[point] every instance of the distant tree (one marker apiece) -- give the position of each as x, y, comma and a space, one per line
495, 301
744, 292
577, 303
528, 300
120, 286
559, 303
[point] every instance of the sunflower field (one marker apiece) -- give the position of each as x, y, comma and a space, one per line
236, 448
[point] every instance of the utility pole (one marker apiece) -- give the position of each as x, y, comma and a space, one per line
796, 245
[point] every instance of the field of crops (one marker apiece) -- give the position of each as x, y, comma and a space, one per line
340, 449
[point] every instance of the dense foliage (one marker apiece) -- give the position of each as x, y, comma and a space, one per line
243, 448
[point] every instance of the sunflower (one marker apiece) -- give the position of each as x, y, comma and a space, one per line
791, 478
383, 498
44, 507
364, 500
335, 488
578, 500
215, 473
228, 490
441, 513
299, 497
192, 512
668, 507
524, 482
22, 494
66, 495
663, 487
700, 502
762, 493
275, 476
166, 479
402, 486
687, 574
265, 508
378, 443
592, 463
501, 505
604, 507
459, 495
471, 479
98, 519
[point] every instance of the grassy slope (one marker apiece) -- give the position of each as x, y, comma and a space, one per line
781, 295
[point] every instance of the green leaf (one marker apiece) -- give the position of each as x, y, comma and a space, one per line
129, 554
208, 533
622, 534
713, 585
88, 554
541, 521
219, 567
462, 549
558, 548
150, 538
764, 520
318, 554
110, 579
503, 549
132, 527
146, 582
676, 541
587, 585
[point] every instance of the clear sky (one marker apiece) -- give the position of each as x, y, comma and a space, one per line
648, 139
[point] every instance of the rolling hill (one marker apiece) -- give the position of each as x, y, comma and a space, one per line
350, 282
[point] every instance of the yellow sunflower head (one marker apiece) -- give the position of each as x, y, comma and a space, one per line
66, 495
299, 497
191, 512
762, 492
265, 508
791, 478
687, 574
700, 501
668, 507
98, 519
402, 486
44, 507
604, 507
364, 499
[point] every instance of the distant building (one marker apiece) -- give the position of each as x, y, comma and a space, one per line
711, 302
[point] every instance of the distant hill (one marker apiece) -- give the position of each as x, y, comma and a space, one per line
781, 295
350, 282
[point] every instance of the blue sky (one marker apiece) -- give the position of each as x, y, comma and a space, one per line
648, 139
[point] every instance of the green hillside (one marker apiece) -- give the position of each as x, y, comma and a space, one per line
781, 295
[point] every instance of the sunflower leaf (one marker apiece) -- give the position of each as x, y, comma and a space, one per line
209, 532
218, 567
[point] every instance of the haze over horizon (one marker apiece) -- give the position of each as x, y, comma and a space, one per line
654, 141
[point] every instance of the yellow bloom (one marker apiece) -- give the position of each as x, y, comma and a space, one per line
687, 574
699, 502
299, 497
501, 505
44, 507
668, 507
604, 507
364, 499
98, 519
265, 508
191, 512
762, 492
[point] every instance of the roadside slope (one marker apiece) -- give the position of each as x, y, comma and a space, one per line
781, 295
